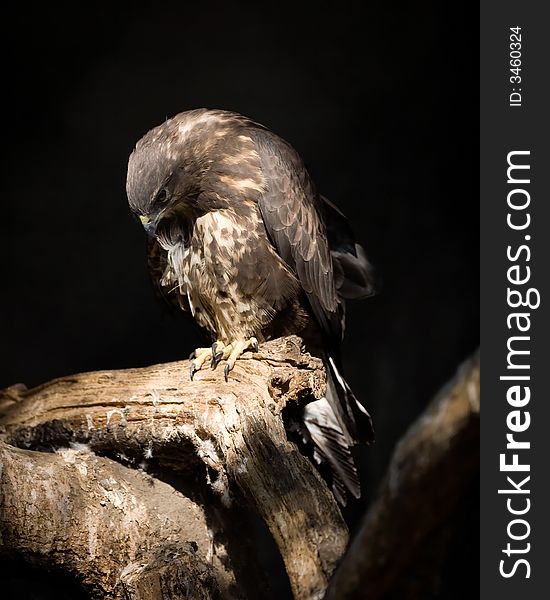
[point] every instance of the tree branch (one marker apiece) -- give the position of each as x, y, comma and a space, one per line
104, 523
232, 430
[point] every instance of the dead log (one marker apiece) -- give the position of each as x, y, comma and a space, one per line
231, 431
232, 435
105, 524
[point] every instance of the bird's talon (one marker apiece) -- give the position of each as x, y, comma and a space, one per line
216, 359
217, 351
221, 351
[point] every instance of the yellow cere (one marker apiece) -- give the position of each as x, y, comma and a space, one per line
144, 219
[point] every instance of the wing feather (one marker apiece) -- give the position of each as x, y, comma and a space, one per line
291, 211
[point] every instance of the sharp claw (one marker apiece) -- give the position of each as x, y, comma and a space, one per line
226, 370
216, 356
216, 359
192, 370
192, 355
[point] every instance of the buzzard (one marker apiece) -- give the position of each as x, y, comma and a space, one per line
239, 236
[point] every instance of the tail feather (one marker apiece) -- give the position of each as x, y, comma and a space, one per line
332, 446
334, 424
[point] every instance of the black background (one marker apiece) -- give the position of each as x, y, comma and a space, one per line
381, 101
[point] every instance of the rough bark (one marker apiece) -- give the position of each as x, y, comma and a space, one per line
126, 534
107, 525
427, 476
232, 432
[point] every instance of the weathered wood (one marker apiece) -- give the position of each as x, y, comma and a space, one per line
232, 435
432, 464
97, 520
233, 431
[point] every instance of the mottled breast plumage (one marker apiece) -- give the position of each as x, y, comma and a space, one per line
233, 280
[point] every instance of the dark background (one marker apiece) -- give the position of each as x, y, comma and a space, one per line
381, 100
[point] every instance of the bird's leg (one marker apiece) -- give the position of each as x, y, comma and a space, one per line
237, 348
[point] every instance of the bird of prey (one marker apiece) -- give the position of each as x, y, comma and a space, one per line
240, 237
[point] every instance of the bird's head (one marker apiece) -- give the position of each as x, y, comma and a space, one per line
153, 185
166, 167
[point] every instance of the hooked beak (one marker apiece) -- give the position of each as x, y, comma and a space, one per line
149, 225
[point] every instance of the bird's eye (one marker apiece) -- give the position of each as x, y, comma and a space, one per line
162, 197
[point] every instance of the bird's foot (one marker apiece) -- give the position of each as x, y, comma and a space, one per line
234, 351
218, 352
198, 357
